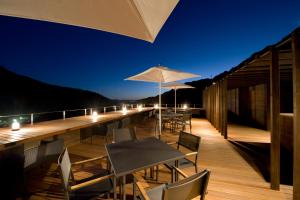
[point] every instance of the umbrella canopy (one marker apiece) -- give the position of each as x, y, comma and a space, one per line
160, 74
176, 86
140, 19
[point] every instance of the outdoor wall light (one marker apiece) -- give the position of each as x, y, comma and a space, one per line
156, 106
15, 126
140, 108
124, 110
184, 106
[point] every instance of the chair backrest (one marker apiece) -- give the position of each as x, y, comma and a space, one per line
110, 127
189, 141
125, 122
186, 117
64, 164
124, 134
188, 188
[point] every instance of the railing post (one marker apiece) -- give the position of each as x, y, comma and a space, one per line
166, 105
64, 115
194, 105
115, 108
31, 118
91, 111
104, 109
131, 106
84, 112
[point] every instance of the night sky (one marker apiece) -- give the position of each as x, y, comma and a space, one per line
204, 37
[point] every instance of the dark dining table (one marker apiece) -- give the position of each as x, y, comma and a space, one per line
132, 156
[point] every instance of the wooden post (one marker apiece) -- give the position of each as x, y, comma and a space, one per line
275, 126
221, 106
296, 96
225, 109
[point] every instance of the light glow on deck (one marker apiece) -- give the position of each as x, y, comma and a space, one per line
15, 126
124, 110
140, 108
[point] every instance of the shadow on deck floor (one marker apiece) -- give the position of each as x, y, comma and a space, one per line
258, 156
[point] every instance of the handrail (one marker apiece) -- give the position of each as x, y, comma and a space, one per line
89, 111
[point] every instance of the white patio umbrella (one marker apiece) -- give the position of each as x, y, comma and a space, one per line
176, 86
160, 74
140, 19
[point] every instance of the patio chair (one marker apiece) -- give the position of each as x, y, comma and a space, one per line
191, 143
87, 188
185, 189
165, 121
125, 122
109, 130
185, 120
124, 134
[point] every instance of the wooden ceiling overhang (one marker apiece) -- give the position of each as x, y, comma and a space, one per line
256, 69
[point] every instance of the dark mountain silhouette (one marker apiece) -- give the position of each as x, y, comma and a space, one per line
21, 94
189, 96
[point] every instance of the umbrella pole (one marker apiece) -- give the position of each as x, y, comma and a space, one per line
175, 100
159, 109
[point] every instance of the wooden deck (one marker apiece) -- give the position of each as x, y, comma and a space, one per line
232, 177
248, 134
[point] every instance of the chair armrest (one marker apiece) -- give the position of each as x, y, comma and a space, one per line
89, 160
191, 154
140, 187
180, 172
171, 143
91, 182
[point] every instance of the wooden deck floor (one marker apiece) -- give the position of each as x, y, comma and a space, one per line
248, 134
232, 177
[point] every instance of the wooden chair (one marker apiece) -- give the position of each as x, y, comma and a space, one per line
124, 134
87, 188
191, 143
185, 120
185, 189
125, 122
109, 130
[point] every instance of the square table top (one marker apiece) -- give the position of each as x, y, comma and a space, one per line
131, 156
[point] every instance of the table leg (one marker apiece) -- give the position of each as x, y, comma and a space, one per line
176, 173
123, 188
134, 187
114, 187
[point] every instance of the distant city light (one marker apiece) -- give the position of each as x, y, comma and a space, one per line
15, 125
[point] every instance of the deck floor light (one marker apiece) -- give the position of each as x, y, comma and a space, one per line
185, 106
15, 126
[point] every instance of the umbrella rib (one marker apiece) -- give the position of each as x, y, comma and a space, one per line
140, 17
